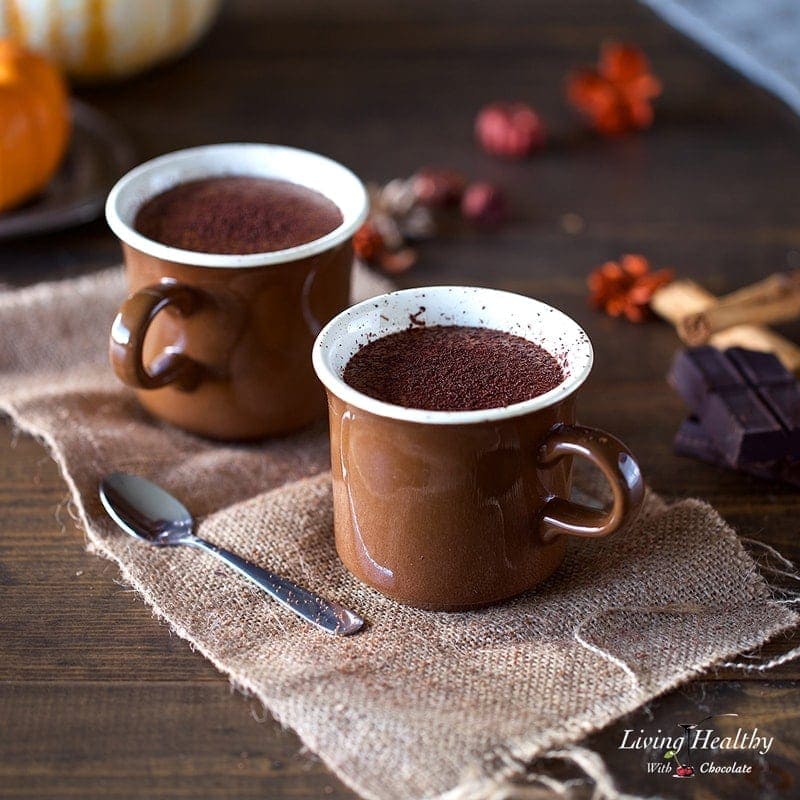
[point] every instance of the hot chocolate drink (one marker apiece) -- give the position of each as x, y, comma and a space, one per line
452, 368
237, 215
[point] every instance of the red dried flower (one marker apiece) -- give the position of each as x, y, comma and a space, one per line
509, 130
484, 204
625, 287
368, 242
617, 95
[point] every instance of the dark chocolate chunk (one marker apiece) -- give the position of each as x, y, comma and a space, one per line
784, 401
697, 372
758, 368
747, 402
742, 427
693, 442
777, 387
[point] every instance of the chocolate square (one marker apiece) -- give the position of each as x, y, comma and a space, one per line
692, 441
746, 401
698, 372
757, 367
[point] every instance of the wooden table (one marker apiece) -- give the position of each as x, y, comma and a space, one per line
98, 699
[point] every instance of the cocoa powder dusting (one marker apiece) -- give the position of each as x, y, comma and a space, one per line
452, 368
237, 215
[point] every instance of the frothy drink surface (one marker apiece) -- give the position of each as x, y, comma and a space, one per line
237, 215
452, 368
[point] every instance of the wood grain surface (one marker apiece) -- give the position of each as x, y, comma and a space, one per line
97, 698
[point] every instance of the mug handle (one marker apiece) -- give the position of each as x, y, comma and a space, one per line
130, 328
618, 465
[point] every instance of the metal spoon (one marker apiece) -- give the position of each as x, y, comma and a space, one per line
148, 512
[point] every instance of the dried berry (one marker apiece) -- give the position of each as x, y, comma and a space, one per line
438, 187
617, 95
625, 288
368, 242
484, 204
509, 130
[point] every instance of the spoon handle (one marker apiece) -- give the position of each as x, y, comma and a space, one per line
324, 614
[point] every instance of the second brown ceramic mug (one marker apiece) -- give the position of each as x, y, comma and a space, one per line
220, 344
455, 510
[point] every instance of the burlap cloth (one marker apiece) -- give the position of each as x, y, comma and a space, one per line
420, 704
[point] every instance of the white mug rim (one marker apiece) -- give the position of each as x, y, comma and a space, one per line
127, 234
336, 385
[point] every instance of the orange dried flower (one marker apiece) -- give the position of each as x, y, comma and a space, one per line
625, 287
617, 95
368, 242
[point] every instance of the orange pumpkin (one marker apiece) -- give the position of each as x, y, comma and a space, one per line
34, 123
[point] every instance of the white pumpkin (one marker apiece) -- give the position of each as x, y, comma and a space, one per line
106, 38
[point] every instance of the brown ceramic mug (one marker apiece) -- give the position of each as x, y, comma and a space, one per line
220, 344
454, 510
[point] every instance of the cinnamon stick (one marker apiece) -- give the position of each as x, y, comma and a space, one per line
682, 297
774, 299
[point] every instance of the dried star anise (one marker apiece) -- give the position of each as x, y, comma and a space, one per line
399, 214
625, 287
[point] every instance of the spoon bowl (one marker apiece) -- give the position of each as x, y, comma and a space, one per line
145, 510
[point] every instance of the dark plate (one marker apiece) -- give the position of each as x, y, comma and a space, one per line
99, 153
